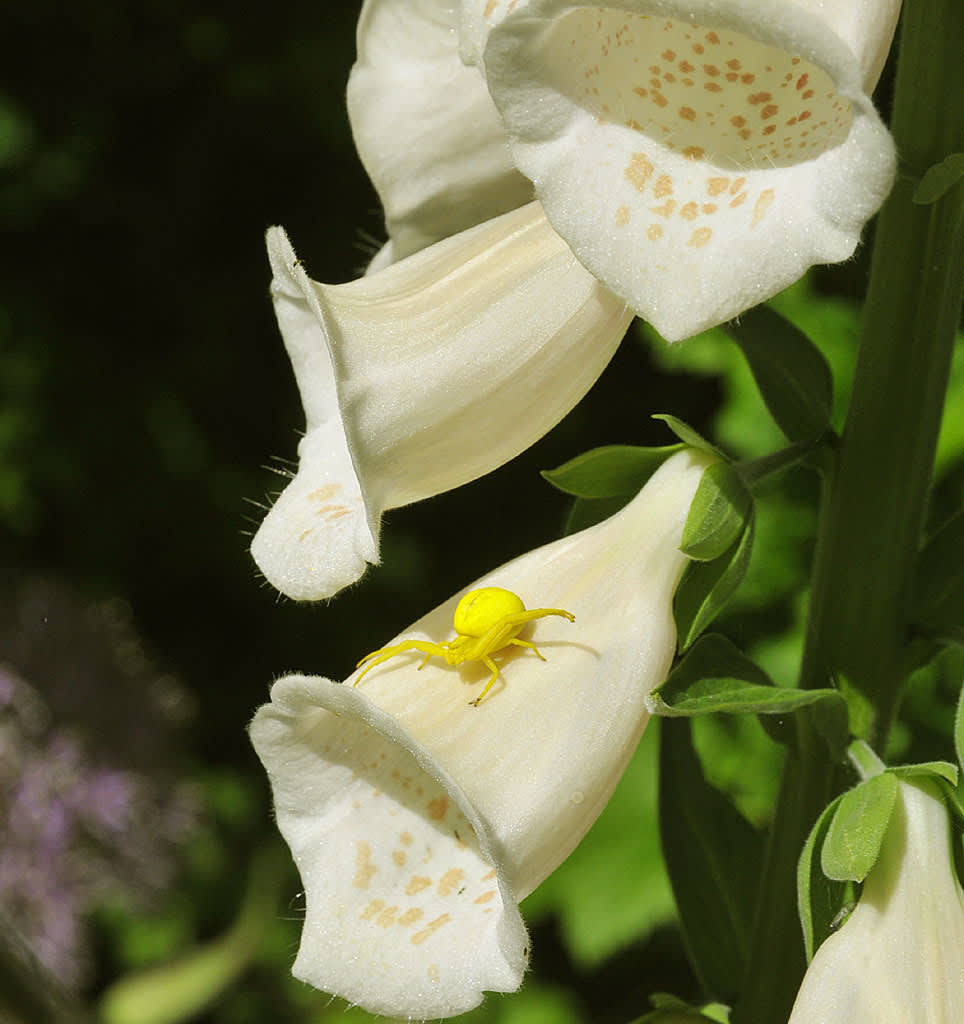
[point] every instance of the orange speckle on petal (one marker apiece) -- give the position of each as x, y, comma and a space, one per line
638, 171
438, 808
416, 884
364, 869
433, 926
666, 210
654, 232
700, 237
709, 208
410, 917
759, 97
738, 201
689, 211
768, 111
712, 87
738, 121
687, 113
663, 186
694, 152
622, 216
761, 206
371, 910
659, 99
717, 185
450, 881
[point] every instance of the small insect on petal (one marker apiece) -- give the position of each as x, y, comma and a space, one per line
486, 621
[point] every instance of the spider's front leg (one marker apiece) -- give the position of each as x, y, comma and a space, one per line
383, 654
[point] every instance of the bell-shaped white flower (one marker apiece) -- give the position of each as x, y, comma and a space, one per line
697, 155
417, 821
899, 957
426, 128
421, 377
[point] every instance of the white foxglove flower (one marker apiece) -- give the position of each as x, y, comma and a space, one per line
697, 155
417, 821
899, 957
421, 377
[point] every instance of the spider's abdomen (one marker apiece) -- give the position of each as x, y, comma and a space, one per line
479, 610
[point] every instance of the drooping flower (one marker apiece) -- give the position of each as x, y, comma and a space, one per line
421, 377
899, 957
697, 155
417, 821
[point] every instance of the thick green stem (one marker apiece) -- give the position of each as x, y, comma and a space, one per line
876, 496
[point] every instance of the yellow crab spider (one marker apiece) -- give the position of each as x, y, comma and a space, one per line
486, 620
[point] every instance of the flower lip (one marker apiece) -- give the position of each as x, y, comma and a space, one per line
430, 922
696, 165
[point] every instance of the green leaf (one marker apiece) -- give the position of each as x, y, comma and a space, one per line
610, 471
686, 433
938, 595
180, 990
714, 857
818, 898
857, 829
790, 371
718, 513
707, 586
716, 677
938, 179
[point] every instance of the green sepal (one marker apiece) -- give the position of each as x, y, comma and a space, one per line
718, 513
852, 844
812, 452
586, 512
715, 676
791, 372
714, 858
818, 898
610, 471
686, 433
707, 586
952, 798
938, 594
939, 179
927, 769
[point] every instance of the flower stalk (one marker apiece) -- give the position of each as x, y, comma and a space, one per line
876, 495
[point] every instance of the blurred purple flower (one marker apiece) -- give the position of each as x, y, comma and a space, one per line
78, 830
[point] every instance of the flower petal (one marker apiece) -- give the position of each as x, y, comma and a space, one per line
696, 164
397, 797
425, 127
406, 914
422, 377
899, 957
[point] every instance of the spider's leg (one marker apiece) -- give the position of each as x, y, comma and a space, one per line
519, 618
489, 664
515, 641
384, 653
